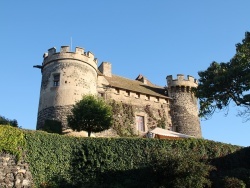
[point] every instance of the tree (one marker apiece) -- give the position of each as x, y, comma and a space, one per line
223, 83
90, 114
6, 121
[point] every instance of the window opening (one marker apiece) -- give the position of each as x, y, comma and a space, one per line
117, 91
140, 123
137, 95
128, 93
56, 82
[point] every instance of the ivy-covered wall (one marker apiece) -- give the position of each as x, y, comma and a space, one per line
14, 170
124, 115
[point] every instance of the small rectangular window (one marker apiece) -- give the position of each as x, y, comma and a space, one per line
147, 97
56, 82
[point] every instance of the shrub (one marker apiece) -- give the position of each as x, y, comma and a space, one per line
178, 169
232, 182
52, 126
6, 121
11, 140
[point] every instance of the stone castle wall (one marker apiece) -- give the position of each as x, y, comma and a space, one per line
14, 174
79, 76
184, 108
77, 73
150, 107
58, 113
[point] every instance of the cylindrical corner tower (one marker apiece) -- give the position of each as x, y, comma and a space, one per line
184, 108
66, 77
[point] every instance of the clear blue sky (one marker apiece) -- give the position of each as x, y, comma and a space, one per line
153, 38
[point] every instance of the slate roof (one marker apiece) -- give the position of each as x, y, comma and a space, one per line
136, 86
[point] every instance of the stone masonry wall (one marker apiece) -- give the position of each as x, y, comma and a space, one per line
14, 174
153, 109
59, 113
184, 111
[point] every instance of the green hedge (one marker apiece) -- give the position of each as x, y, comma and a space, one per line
11, 140
63, 161
122, 162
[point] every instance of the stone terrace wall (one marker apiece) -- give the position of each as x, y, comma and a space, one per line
14, 174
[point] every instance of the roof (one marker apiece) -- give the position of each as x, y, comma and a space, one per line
136, 86
164, 132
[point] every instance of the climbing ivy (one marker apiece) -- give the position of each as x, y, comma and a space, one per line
153, 121
162, 122
123, 116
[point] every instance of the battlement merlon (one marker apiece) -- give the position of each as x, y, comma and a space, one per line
181, 81
65, 53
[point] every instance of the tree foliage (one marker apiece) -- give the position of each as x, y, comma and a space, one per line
6, 121
223, 83
90, 114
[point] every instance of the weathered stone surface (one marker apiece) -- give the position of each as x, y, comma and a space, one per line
173, 106
59, 113
184, 109
14, 174
77, 75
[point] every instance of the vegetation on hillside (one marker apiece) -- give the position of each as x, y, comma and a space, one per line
12, 140
128, 162
6, 121
64, 161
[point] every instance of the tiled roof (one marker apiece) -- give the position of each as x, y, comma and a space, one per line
136, 86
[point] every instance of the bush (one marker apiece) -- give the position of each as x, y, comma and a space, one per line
179, 169
52, 126
232, 182
11, 140
6, 121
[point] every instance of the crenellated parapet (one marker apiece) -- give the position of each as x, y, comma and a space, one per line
65, 54
184, 107
190, 82
66, 77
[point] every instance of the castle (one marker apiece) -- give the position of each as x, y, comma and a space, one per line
67, 76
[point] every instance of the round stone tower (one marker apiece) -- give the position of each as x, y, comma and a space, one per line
184, 108
66, 77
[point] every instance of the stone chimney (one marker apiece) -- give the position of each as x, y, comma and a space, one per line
105, 69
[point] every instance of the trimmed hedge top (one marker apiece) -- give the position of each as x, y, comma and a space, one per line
81, 161
11, 140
